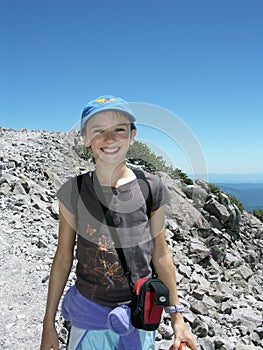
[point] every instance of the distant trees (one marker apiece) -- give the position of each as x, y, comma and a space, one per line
233, 199
140, 154
213, 188
236, 201
259, 214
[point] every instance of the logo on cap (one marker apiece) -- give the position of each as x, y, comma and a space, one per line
105, 100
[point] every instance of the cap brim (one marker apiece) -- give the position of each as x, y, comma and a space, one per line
130, 116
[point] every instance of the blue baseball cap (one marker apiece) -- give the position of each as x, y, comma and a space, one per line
103, 104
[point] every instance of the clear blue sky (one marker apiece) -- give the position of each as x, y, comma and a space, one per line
200, 59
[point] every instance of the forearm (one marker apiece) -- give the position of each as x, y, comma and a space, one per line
166, 273
58, 277
165, 270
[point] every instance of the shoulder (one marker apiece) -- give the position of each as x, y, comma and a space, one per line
154, 180
72, 182
160, 193
67, 185
68, 193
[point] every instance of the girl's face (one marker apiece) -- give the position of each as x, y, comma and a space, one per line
109, 135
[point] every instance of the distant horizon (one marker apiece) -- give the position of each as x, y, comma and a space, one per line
233, 178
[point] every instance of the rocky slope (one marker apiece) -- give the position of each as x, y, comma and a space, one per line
217, 250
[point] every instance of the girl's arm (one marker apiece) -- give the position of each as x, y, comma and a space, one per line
164, 267
60, 270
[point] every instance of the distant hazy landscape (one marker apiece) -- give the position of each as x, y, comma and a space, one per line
248, 188
250, 194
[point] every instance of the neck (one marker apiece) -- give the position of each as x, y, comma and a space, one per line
113, 176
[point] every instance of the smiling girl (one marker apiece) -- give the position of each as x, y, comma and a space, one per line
98, 304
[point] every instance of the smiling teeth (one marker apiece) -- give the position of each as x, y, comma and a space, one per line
110, 150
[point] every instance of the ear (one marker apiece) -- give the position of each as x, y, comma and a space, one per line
133, 134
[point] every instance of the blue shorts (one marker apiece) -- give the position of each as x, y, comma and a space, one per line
105, 339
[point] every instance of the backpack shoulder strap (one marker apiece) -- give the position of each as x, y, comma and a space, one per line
146, 194
79, 182
75, 193
148, 199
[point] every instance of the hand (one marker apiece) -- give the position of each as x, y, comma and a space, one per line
181, 332
183, 346
49, 339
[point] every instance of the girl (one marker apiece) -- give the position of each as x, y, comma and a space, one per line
98, 304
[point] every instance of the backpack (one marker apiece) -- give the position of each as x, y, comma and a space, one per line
148, 300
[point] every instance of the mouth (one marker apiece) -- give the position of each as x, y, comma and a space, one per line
110, 150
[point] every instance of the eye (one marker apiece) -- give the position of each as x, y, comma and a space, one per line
120, 129
98, 131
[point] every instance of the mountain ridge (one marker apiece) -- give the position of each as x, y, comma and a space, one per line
216, 248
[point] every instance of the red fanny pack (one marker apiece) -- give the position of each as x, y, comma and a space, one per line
150, 297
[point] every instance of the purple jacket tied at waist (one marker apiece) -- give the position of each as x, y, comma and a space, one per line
85, 314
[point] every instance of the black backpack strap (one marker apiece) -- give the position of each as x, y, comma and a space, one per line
79, 182
147, 192
148, 199
75, 193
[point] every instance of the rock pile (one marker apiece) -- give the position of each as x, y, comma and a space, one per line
218, 254
217, 249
